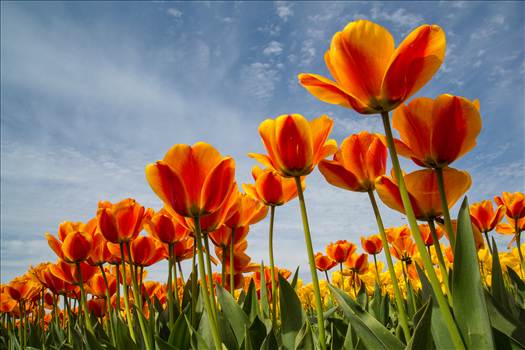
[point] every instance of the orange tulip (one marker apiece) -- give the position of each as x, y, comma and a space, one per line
183, 249
484, 217
75, 241
97, 286
146, 251
100, 253
478, 238
22, 288
434, 133
403, 248
121, 222
423, 191
270, 187
357, 164
514, 204
371, 75
426, 234
223, 235
295, 145
7, 304
358, 263
166, 228
372, 245
510, 229
246, 211
97, 307
241, 261
324, 262
340, 250
393, 233
192, 180
69, 273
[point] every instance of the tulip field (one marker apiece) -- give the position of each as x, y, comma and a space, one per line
439, 282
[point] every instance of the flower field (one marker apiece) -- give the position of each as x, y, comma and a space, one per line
439, 282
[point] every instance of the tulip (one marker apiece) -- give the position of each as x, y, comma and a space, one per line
485, 218
358, 264
295, 145
121, 222
357, 164
271, 188
166, 228
192, 181
340, 250
75, 241
423, 191
373, 245
324, 263
371, 75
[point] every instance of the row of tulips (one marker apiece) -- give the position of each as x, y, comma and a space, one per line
97, 295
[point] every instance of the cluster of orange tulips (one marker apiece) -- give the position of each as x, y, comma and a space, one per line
102, 264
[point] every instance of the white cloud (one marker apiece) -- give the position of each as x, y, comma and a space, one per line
400, 17
283, 9
259, 80
273, 48
272, 29
174, 12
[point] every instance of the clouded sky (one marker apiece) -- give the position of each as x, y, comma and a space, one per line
92, 92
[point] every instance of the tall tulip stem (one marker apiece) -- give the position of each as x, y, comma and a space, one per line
126, 294
444, 207
171, 316
397, 292
204, 285
87, 319
427, 262
486, 233
311, 259
272, 265
210, 277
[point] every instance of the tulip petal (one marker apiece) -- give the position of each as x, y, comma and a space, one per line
169, 187
294, 143
327, 91
321, 128
55, 245
336, 175
389, 193
217, 186
413, 64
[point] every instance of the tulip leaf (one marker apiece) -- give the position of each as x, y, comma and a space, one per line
295, 278
304, 339
233, 313
270, 342
163, 345
180, 335
373, 334
265, 307
439, 329
251, 304
197, 341
505, 322
469, 305
499, 292
422, 337
257, 332
247, 345
292, 313
362, 297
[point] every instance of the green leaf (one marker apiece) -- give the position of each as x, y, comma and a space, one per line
180, 334
440, 332
505, 322
499, 292
362, 297
163, 345
247, 345
257, 333
422, 337
251, 304
197, 341
373, 334
270, 342
295, 278
264, 302
292, 313
304, 339
469, 305
233, 313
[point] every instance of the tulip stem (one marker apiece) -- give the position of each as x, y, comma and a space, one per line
326, 275
204, 285
311, 259
377, 271
441, 259
397, 292
137, 296
427, 262
171, 317
108, 305
194, 296
210, 277
272, 265
181, 274
486, 233
444, 207
232, 261
126, 296
87, 319
175, 289
223, 266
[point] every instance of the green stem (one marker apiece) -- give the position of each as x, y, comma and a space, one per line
194, 296
148, 341
176, 281
87, 317
441, 259
390, 264
427, 262
272, 265
204, 285
311, 259
232, 268
444, 207
210, 277
223, 266
126, 295
181, 274
171, 317
377, 271
342, 276
108, 305
486, 233
326, 275
117, 270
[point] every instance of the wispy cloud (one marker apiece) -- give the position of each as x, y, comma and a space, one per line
273, 48
284, 9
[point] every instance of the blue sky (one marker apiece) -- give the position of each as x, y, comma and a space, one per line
92, 92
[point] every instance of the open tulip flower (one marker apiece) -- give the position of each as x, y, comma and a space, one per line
246, 211
121, 222
324, 262
357, 164
340, 250
478, 238
434, 133
514, 204
372, 245
192, 181
423, 191
271, 188
357, 263
70, 274
295, 145
372, 75
484, 216
166, 228
75, 242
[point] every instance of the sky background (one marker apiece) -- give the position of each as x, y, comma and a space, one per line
92, 92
